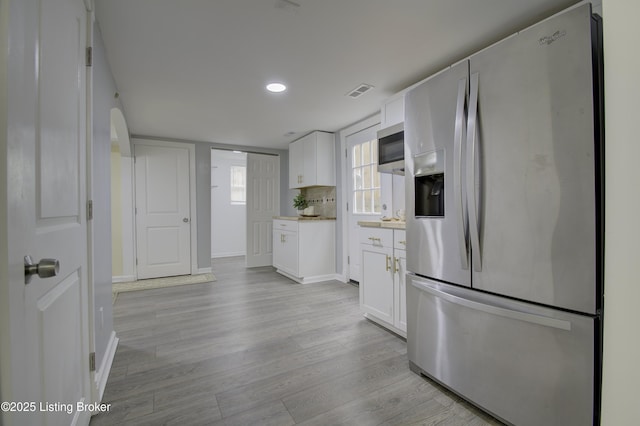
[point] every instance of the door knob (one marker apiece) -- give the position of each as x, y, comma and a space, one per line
44, 269
185, 219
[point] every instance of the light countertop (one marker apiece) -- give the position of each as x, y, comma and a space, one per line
304, 218
391, 224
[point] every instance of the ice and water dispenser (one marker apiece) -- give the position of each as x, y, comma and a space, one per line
429, 184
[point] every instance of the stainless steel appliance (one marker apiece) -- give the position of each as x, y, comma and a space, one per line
391, 149
504, 224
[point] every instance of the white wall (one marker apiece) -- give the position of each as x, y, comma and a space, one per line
116, 212
621, 374
103, 101
228, 221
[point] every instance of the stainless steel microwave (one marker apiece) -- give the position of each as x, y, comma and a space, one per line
391, 149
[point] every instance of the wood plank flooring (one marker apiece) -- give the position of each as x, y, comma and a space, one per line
255, 348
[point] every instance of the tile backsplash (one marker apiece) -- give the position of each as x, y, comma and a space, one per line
322, 198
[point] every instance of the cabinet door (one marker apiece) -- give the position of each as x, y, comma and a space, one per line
325, 170
309, 160
376, 283
296, 164
290, 253
400, 289
392, 111
285, 251
278, 248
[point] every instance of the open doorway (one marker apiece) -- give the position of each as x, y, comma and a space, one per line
228, 203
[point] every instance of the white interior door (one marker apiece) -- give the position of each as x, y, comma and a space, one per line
263, 203
47, 356
163, 220
363, 189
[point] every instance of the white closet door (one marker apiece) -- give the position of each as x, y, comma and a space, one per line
263, 203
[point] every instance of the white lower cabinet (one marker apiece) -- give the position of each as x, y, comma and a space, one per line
382, 277
285, 250
304, 250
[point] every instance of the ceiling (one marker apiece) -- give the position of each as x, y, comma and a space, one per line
197, 69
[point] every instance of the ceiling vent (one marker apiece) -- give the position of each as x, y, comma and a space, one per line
359, 91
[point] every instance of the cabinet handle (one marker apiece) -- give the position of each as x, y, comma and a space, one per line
396, 262
374, 239
387, 266
402, 242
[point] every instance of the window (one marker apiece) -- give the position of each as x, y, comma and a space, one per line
238, 184
366, 179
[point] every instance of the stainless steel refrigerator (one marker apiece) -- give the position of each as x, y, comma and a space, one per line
503, 156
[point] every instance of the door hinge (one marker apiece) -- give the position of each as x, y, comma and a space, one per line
89, 57
347, 206
348, 260
89, 209
92, 361
345, 153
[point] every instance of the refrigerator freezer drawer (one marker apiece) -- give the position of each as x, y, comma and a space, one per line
525, 364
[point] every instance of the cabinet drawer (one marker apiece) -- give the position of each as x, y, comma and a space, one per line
376, 236
285, 225
400, 239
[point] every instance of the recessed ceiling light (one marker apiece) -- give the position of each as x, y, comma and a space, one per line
276, 87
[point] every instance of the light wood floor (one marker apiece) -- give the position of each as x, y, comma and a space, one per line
256, 348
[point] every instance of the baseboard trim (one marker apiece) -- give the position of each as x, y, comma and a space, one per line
341, 277
123, 278
102, 374
205, 270
228, 254
309, 280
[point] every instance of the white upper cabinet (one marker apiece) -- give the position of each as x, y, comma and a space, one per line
392, 110
312, 161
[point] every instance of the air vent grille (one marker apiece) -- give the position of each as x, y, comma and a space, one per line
360, 90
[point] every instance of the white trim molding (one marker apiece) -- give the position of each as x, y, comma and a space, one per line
312, 279
102, 374
122, 279
355, 128
228, 254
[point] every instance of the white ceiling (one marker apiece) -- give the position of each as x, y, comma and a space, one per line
196, 69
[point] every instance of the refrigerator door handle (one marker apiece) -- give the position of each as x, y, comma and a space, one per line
494, 310
461, 221
472, 205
